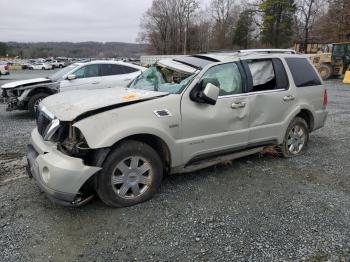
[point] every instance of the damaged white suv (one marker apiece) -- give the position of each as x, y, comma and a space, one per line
180, 115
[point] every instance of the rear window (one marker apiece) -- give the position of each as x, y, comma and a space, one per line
303, 73
113, 69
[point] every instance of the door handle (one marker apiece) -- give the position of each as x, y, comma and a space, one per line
128, 79
238, 105
95, 82
288, 98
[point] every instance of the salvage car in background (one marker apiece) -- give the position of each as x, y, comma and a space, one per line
180, 115
57, 64
26, 94
4, 69
40, 66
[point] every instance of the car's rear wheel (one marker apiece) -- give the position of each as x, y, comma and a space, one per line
34, 101
131, 174
296, 138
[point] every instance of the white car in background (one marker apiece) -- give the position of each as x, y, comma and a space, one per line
40, 66
57, 64
27, 94
4, 70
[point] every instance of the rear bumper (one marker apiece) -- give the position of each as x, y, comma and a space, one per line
58, 175
320, 119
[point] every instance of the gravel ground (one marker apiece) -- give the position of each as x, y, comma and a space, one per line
260, 208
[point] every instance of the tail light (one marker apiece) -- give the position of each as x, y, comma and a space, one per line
325, 98
6, 67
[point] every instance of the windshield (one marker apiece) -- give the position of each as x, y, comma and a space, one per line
339, 49
162, 79
59, 74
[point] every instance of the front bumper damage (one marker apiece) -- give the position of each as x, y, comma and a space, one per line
15, 99
58, 175
14, 104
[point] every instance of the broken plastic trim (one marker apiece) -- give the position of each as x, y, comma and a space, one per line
111, 107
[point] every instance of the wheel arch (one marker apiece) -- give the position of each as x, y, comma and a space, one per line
308, 117
157, 143
38, 90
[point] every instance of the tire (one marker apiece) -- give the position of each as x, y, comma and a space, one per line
326, 71
140, 180
34, 102
43, 68
295, 146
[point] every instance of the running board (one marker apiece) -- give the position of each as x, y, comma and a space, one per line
216, 160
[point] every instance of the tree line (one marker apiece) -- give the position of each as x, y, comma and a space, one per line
67, 49
186, 26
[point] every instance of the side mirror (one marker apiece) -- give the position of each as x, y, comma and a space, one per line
209, 94
71, 77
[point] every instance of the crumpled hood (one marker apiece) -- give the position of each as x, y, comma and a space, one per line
25, 82
68, 106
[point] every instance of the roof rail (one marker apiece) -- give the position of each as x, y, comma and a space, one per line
258, 50
274, 51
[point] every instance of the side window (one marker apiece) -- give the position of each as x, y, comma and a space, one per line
226, 76
111, 69
302, 71
80, 72
267, 74
87, 71
129, 69
282, 81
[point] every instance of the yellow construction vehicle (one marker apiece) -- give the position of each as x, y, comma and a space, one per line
333, 64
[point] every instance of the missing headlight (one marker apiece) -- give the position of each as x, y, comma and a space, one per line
75, 144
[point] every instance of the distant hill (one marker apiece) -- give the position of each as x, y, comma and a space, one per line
82, 49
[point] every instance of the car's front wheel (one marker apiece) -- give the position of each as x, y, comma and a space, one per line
131, 174
34, 102
296, 138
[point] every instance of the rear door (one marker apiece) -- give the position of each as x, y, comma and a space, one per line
87, 77
271, 100
115, 75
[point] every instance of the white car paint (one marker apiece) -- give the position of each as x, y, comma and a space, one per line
67, 106
40, 66
4, 70
98, 82
24, 82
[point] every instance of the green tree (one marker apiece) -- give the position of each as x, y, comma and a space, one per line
277, 16
242, 34
3, 49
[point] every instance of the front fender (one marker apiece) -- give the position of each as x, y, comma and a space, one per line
107, 128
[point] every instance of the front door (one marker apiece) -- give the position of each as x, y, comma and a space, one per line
209, 130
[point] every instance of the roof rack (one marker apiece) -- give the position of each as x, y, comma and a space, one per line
274, 51
258, 50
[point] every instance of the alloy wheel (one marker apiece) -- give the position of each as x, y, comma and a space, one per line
296, 140
132, 177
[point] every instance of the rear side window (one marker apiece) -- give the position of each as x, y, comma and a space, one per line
112, 69
303, 73
129, 70
266, 74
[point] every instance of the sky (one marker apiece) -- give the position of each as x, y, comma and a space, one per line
71, 20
